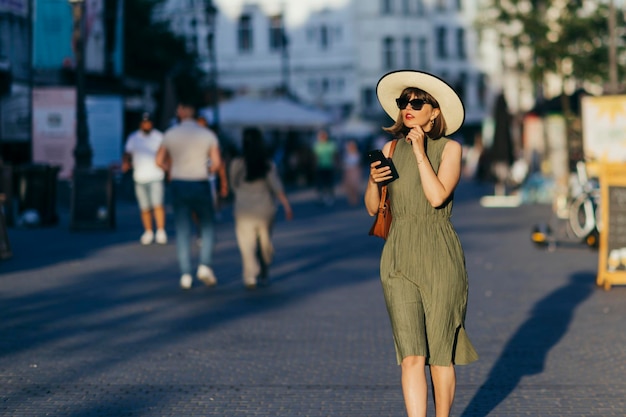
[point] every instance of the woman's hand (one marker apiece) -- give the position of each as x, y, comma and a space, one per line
379, 174
416, 137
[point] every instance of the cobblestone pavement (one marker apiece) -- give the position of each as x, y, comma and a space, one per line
94, 324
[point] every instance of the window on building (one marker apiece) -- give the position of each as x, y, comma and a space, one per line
460, 85
420, 9
244, 38
460, 43
406, 7
459, 5
386, 6
442, 46
482, 90
422, 53
324, 37
368, 96
325, 85
407, 52
441, 5
389, 53
277, 32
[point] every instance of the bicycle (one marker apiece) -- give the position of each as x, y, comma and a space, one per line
578, 219
583, 210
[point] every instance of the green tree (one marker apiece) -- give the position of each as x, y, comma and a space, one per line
568, 39
152, 51
155, 54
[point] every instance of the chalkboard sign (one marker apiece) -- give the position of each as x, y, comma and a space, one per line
612, 251
92, 200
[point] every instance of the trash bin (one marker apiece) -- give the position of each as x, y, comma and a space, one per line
37, 195
92, 199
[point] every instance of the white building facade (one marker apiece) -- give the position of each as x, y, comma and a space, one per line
332, 56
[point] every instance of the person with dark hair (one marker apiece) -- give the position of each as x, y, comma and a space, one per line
422, 266
256, 185
184, 153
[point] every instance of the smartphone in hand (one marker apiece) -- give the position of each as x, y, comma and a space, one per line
377, 155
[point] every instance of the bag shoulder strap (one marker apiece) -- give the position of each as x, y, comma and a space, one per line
383, 189
393, 148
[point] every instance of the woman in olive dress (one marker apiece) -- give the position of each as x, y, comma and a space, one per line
422, 267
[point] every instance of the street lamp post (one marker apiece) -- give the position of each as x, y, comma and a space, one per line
82, 150
92, 197
211, 15
284, 44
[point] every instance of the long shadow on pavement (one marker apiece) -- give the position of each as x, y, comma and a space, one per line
525, 353
113, 315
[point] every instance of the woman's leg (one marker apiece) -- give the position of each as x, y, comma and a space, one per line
245, 231
265, 242
414, 386
444, 385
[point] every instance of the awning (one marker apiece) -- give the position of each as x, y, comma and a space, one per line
266, 113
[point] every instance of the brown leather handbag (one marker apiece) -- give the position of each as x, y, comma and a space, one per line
382, 223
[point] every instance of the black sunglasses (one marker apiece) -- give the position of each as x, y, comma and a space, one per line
416, 103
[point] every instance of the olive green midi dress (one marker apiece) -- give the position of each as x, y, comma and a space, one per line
422, 268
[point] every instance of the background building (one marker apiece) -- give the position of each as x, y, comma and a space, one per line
332, 56
15, 76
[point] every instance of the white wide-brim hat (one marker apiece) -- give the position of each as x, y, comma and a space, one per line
391, 85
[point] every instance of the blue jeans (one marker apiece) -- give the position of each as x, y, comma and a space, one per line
188, 197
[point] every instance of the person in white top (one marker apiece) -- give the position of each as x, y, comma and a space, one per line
140, 155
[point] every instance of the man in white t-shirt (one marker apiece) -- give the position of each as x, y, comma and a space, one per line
140, 154
184, 153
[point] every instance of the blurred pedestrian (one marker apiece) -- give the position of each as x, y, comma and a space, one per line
256, 185
325, 151
219, 181
352, 172
422, 265
184, 152
140, 156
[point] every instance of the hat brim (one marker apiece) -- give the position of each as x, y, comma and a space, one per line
391, 85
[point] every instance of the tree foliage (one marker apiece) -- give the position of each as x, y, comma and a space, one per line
569, 39
151, 50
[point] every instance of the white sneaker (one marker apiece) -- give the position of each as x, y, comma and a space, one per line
185, 281
206, 275
147, 237
161, 237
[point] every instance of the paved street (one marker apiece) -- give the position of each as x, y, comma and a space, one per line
94, 324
